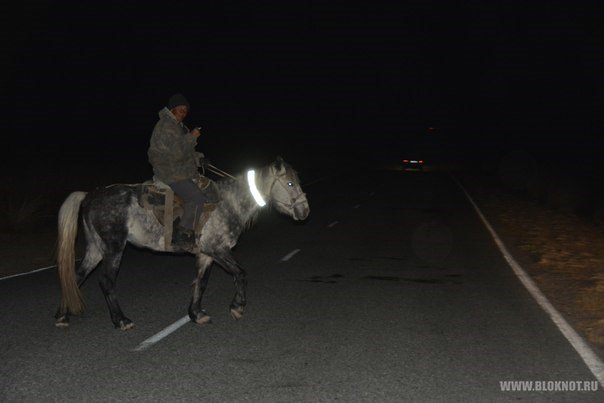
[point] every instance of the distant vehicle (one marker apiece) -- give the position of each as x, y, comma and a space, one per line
412, 164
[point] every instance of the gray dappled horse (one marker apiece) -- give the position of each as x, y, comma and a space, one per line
112, 216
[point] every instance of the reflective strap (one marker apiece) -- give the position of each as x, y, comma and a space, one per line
251, 181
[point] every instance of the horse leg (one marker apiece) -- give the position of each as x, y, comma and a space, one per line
92, 257
110, 265
231, 266
239, 300
204, 268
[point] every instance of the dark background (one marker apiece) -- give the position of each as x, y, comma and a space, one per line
324, 84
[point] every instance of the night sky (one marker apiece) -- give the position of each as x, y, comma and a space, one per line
313, 81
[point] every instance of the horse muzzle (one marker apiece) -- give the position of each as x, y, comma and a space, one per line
301, 211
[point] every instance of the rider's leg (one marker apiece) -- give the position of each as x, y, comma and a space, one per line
194, 200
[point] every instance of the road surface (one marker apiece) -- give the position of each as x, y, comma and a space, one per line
392, 290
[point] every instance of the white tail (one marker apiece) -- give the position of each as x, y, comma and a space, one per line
71, 298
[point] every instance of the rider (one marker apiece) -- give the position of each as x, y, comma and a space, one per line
175, 162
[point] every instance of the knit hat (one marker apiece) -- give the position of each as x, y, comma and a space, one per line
177, 100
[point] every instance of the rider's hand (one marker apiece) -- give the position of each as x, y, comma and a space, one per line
196, 132
204, 162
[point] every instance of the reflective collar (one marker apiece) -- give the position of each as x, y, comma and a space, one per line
251, 181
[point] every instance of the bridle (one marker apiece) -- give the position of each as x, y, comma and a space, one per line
295, 200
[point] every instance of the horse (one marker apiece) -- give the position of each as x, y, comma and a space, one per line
112, 216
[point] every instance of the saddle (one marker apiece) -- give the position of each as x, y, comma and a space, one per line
167, 207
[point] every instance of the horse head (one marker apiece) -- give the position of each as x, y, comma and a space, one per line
285, 192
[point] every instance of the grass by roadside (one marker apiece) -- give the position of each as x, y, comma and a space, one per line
561, 251
27, 234
26, 251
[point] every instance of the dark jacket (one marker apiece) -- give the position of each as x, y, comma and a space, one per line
172, 150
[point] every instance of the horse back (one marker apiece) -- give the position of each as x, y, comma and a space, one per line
166, 206
106, 209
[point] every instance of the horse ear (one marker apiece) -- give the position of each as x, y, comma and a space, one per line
279, 163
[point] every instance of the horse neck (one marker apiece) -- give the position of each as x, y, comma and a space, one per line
265, 181
236, 194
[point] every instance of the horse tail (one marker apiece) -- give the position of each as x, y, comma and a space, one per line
71, 297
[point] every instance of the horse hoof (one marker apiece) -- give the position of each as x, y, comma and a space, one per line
63, 322
202, 320
126, 324
237, 312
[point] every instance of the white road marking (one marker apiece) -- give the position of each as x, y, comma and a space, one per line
26, 273
32, 271
166, 332
332, 224
593, 362
289, 255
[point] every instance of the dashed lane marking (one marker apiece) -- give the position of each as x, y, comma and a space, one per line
164, 333
289, 255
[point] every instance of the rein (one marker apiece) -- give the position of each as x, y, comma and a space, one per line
219, 172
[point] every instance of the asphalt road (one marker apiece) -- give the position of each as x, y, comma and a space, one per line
392, 290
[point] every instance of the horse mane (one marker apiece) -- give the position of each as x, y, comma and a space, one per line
234, 192
251, 221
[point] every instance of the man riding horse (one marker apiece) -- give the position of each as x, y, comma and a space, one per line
175, 162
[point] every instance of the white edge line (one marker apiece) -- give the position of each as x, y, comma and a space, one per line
164, 333
31, 271
26, 273
593, 362
333, 224
289, 255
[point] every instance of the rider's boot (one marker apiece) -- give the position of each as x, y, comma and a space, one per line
183, 238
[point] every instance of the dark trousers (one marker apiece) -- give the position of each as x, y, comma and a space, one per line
194, 200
